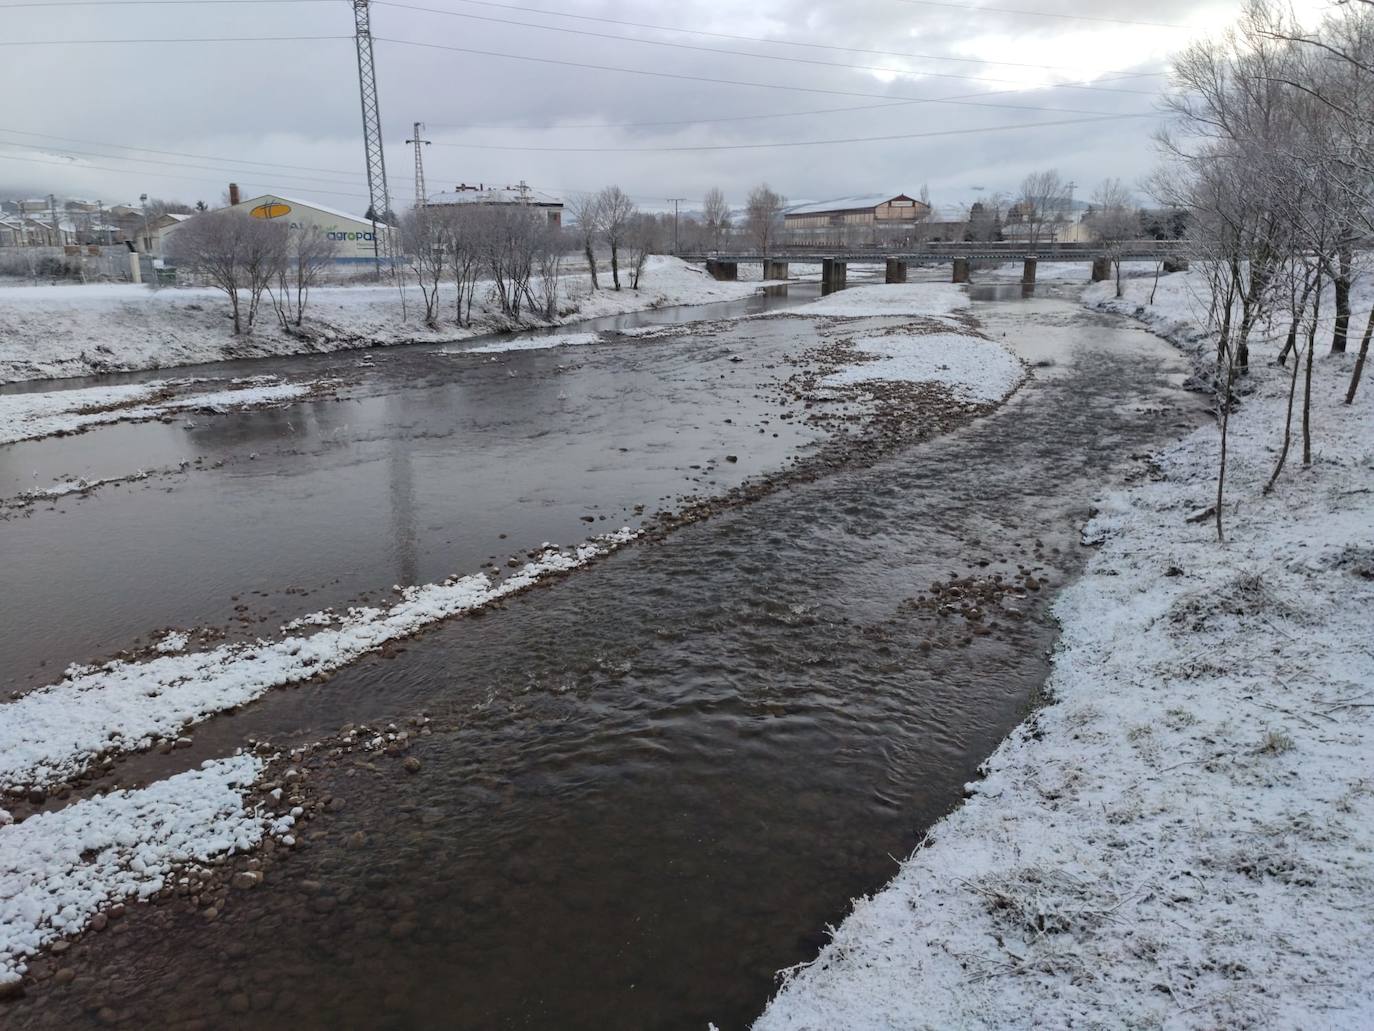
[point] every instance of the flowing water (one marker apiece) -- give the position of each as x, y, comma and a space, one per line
656, 781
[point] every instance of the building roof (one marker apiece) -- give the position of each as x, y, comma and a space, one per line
297, 202
859, 202
497, 195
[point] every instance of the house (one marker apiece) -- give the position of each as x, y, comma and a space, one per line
542, 204
866, 218
864, 210
12, 233
151, 237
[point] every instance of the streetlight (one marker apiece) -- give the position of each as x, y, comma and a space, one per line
147, 244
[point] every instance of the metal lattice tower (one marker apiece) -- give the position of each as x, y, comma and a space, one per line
420, 194
378, 194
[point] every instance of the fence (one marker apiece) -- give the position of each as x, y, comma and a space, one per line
79, 263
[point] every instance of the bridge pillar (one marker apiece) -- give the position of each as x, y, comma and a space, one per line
834, 274
1175, 264
774, 269
960, 270
722, 270
896, 271
1102, 269
1028, 272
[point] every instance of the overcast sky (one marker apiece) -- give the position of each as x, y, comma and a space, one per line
222, 106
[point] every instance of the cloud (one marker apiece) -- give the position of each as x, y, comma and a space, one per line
296, 102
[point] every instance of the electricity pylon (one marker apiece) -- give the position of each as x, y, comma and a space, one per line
378, 194
420, 194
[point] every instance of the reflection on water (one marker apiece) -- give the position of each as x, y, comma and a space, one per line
1004, 291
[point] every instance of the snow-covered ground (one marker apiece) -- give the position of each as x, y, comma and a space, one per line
30, 416
55, 732
1184, 836
1071, 271
973, 368
56, 331
59, 869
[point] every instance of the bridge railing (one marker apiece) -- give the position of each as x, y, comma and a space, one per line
1003, 250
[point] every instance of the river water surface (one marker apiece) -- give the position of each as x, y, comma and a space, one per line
653, 783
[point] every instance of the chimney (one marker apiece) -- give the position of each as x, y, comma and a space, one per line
233, 194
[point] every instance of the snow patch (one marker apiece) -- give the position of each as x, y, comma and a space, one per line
889, 299
535, 343
59, 869
973, 368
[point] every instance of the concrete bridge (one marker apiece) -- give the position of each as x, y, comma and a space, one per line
835, 262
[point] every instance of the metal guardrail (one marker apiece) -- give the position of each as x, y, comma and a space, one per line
1004, 251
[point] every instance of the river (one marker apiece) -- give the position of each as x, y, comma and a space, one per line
650, 785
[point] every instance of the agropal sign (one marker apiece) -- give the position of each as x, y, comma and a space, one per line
353, 236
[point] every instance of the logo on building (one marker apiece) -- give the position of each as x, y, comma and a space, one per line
272, 209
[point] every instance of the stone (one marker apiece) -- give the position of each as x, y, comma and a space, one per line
246, 879
64, 976
11, 989
99, 922
411, 764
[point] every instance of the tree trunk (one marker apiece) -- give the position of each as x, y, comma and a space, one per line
1307, 381
1342, 285
1287, 427
1225, 427
591, 263
1159, 265
1359, 359
615, 265
1118, 278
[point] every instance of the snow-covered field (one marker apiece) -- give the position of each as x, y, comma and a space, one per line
56, 331
59, 869
1184, 837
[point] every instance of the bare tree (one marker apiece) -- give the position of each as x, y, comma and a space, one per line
1041, 205
424, 238
641, 241
1113, 221
550, 247
237, 253
586, 213
617, 214
715, 212
309, 254
763, 216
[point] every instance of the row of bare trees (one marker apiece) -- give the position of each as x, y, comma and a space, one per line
248, 258
516, 250
1271, 152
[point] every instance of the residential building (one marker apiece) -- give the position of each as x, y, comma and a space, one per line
548, 207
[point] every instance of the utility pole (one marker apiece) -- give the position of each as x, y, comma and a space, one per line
143, 199
378, 194
421, 197
675, 201
56, 225
1071, 186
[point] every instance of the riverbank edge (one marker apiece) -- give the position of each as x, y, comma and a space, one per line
1183, 835
189, 325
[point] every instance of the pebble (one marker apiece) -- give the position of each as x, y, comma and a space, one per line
99, 922
246, 879
411, 764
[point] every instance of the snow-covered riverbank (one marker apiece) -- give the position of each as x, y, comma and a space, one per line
1184, 836
49, 332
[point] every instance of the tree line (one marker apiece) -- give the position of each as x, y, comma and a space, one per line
1270, 151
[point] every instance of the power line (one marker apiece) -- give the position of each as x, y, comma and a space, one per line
730, 35
726, 82
800, 143
741, 53
175, 39
978, 8
172, 153
156, 175
150, 161
151, 3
